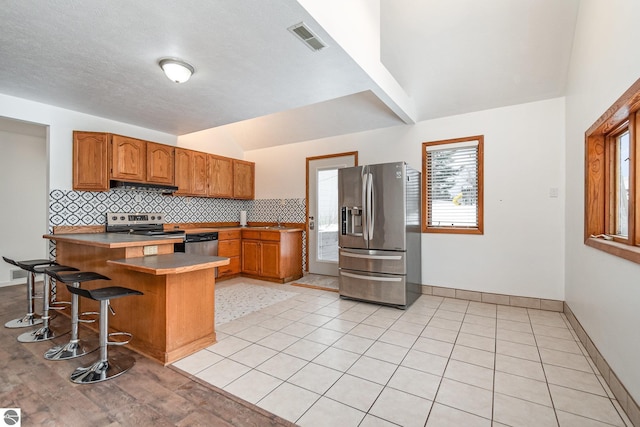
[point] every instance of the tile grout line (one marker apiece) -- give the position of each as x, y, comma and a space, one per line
435, 395
544, 371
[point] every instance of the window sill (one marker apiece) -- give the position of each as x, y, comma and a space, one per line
631, 253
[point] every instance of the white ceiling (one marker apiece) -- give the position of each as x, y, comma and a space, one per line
261, 83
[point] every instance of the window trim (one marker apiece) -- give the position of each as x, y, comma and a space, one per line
599, 164
425, 200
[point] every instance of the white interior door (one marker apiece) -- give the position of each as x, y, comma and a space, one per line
323, 220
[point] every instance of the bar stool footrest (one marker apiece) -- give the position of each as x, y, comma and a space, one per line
88, 317
119, 334
103, 370
59, 305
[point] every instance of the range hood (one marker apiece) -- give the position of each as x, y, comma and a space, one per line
143, 186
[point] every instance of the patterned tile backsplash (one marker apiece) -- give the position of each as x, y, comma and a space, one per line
89, 208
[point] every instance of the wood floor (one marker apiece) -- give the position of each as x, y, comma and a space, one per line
148, 395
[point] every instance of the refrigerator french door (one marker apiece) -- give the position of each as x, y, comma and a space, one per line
379, 239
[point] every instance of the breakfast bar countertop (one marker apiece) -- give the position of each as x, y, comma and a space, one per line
174, 263
113, 240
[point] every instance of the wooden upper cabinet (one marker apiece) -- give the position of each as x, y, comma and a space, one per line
128, 158
183, 171
160, 163
220, 176
243, 179
200, 184
99, 157
90, 161
190, 172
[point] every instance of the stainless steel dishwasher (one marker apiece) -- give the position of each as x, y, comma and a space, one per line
199, 244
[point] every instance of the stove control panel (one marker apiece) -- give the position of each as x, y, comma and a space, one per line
137, 218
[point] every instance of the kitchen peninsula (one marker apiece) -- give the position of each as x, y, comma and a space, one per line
175, 316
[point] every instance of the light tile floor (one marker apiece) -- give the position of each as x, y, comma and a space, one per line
318, 360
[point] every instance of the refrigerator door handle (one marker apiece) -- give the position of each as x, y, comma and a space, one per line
376, 278
365, 212
365, 256
370, 204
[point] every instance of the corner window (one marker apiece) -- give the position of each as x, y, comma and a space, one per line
612, 221
452, 172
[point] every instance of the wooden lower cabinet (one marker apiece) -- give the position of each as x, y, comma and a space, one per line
229, 246
272, 255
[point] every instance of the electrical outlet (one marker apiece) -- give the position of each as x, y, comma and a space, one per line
150, 250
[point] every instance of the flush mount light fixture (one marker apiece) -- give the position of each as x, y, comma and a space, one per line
176, 70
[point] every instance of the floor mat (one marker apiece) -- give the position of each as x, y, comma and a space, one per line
317, 281
241, 299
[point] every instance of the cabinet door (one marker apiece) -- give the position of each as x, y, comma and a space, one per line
270, 259
220, 176
251, 257
90, 161
184, 172
128, 158
199, 186
160, 163
243, 179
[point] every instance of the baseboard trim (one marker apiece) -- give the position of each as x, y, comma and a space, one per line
501, 299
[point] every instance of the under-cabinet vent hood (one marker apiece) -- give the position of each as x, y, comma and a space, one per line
143, 186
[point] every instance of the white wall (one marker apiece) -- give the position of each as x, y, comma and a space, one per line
61, 124
23, 191
218, 140
602, 290
521, 251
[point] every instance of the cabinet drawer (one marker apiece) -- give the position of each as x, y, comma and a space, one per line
232, 268
272, 236
229, 248
228, 234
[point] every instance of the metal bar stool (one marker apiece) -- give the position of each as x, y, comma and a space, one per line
75, 347
45, 332
104, 368
31, 318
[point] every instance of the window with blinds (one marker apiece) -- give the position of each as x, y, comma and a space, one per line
452, 174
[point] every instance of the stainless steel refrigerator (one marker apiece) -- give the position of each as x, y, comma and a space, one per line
379, 239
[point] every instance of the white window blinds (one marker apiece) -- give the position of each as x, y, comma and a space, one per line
452, 185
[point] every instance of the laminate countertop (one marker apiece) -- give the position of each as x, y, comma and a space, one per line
113, 240
175, 263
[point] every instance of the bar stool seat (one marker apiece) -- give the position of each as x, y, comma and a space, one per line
104, 368
75, 347
31, 318
45, 332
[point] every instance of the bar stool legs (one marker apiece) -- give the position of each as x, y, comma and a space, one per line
45, 332
31, 318
104, 368
75, 347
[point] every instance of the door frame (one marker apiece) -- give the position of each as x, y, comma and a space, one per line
308, 160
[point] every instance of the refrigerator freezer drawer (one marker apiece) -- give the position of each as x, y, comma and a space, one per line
374, 287
390, 262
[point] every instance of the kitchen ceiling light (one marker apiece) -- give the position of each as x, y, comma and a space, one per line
176, 70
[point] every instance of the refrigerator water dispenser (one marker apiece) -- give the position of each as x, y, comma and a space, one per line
352, 221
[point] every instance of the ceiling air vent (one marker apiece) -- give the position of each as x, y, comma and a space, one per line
303, 32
